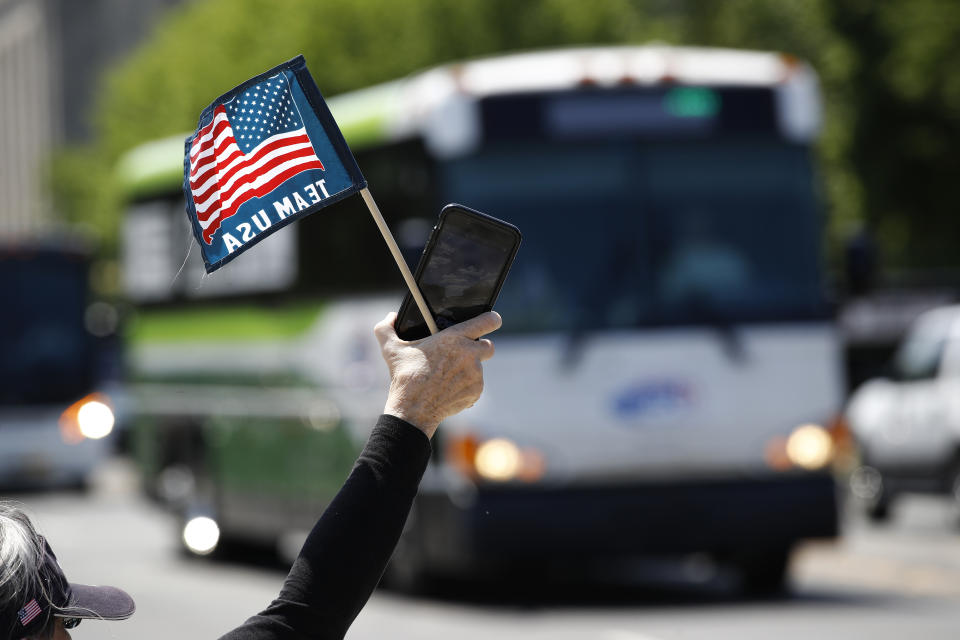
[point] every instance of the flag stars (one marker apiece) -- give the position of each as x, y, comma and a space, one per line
263, 111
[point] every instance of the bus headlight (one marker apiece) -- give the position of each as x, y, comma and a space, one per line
496, 460
88, 418
95, 420
810, 447
201, 535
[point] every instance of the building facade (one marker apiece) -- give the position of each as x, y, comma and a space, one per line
30, 108
52, 55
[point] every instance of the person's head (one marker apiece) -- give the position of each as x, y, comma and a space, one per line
36, 601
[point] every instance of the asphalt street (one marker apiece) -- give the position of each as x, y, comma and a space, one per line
896, 581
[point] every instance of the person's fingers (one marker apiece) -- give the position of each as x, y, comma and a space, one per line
384, 329
484, 349
463, 384
470, 379
480, 326
468, 394
476, 390
462, 396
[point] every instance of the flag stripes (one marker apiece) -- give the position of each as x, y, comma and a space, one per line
29, 612
222, 177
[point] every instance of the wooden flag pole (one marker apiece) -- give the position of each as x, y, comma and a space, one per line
398, 257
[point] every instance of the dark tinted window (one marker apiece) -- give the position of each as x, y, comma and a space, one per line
46, 354
632, 233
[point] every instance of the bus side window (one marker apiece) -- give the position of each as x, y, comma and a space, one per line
342, 251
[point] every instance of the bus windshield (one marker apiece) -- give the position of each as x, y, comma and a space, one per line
47, 355
626, 233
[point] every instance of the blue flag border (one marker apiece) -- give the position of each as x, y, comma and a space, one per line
298, 66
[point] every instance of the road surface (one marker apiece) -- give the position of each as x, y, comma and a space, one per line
899, 581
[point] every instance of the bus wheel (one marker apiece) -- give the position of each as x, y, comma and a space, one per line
867, 484
763, 573
877, 506
953, 483
878, 509
79, 484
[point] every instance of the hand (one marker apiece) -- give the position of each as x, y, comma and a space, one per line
439, 376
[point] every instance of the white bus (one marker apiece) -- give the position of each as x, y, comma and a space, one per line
668, 369
60, 361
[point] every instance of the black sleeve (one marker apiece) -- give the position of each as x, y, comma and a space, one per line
344, 556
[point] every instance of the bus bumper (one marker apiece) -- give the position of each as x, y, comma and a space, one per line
33, 453
508, 525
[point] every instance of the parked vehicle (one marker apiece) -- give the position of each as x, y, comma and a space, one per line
907, 425
59, 367
668, 369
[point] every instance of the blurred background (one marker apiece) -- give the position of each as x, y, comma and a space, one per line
725, 398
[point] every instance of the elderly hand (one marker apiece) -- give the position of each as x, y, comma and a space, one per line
439, 376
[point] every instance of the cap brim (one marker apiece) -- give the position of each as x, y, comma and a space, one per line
98, 603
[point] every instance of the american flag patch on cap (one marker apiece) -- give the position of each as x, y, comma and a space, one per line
29, 612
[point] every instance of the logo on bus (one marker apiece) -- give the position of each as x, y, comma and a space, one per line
653, 399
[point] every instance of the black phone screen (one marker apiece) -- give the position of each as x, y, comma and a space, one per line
461, 271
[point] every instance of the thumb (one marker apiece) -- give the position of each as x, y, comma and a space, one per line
384, 329
480, 326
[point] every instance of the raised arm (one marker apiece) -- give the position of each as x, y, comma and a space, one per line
344, 556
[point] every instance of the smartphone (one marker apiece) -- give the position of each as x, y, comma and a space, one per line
461, 270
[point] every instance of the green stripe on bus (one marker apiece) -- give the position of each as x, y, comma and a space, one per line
223, 323
156, 168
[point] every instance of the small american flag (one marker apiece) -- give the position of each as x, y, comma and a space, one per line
255, 142
253, 165
29, 612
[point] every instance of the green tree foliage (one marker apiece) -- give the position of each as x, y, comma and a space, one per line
905, 124
892, 98
205, 48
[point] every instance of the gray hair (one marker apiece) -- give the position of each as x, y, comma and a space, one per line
21, 556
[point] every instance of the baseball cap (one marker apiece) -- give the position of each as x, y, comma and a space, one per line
59, 598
